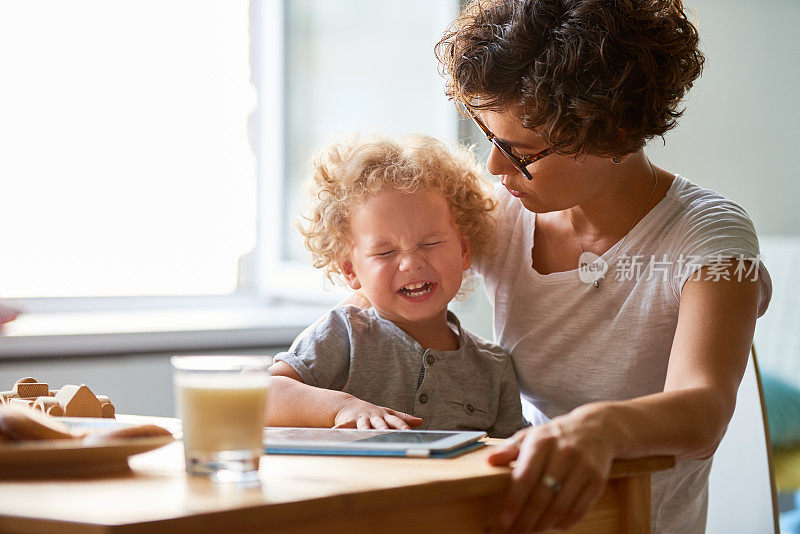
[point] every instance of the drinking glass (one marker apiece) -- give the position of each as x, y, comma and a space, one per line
222, 401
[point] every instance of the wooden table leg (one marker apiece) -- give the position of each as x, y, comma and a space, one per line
634, 504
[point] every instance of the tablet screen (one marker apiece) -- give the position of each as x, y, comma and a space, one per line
327, 435
328, 438
408, 436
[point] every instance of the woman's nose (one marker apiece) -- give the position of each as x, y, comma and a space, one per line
498, 164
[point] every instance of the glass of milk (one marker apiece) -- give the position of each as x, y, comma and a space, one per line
222, 402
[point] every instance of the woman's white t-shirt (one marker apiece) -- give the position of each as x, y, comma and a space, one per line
572, 343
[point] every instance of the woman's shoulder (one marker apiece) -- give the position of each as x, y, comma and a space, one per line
695, 201
712, 229
694, 215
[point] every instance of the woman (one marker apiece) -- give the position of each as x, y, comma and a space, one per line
626, 294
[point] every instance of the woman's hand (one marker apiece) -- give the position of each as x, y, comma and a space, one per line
561, 471
356, 413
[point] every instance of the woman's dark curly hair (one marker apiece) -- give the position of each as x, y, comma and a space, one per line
591, 76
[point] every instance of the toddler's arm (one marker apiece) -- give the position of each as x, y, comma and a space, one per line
294, 403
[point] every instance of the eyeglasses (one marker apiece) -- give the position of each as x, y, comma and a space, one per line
520, 162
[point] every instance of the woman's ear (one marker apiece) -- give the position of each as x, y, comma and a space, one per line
466, 258
346, 266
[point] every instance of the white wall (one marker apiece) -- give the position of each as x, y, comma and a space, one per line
739, 134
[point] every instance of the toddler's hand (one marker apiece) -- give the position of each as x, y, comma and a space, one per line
360, 414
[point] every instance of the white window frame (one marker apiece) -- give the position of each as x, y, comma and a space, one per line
275, 276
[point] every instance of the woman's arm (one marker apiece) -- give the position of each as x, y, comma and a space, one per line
294, 403
687, 420
707, 361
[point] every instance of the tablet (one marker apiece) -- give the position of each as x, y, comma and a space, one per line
351, 442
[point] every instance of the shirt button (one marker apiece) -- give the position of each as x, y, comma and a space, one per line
470, 408
429, 359
423, 398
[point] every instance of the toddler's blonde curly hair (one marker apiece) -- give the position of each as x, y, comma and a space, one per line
345, 173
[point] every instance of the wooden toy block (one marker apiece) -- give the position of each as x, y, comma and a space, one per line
105, 406
31, 390
69, 401
48, 405
29, 387
26, 380
79, 401
108, 410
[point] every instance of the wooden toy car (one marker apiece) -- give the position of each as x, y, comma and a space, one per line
69, 401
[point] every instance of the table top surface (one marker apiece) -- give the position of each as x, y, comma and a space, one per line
292, 487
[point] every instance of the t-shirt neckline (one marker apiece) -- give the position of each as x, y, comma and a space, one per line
398, 332
676, 185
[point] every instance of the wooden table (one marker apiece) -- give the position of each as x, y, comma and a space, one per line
304, 494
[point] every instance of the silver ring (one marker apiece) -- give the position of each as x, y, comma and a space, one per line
551, 483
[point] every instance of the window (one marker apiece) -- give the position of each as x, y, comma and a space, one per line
158, 148
350, 66
126, 168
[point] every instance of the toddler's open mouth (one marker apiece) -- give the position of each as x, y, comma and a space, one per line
417, 289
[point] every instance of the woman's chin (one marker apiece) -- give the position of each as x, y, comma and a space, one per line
534, 204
